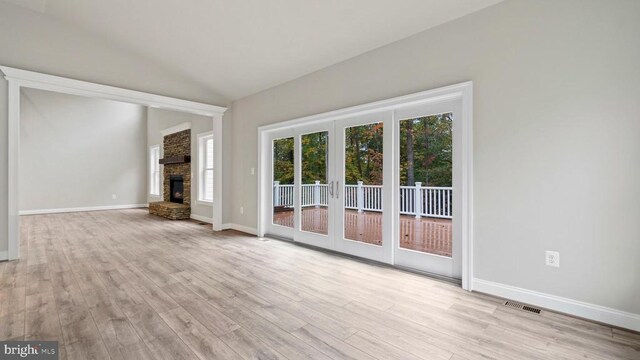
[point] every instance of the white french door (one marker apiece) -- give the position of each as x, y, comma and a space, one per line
364, 174
281, 192
315, 185
384, 185
301, 188
427, 220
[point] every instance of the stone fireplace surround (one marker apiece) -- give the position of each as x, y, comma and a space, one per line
177, 162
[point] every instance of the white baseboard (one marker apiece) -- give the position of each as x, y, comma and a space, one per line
4, 255
202, 218
244, 229
560, 304
80, 209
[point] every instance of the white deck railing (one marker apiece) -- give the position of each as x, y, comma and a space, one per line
415, 200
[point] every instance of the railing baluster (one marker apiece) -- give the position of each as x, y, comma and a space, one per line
414, 200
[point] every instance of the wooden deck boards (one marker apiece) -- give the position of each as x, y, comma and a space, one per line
431, 235
127, 285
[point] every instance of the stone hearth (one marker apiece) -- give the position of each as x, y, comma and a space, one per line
170, 210
177, 162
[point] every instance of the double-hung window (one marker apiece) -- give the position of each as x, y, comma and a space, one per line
205, 154
154, 170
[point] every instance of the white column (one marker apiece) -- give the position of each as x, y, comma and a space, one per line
276, 193
360, 197
13, 142
418, 200
316, 194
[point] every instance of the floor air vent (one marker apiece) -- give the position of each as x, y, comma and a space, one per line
522, 307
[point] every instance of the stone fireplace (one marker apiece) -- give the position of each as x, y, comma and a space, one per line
177, 178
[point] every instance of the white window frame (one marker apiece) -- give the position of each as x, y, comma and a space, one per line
203, 138
155, 173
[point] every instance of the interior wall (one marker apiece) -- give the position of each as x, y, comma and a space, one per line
160, 119
556, 89
79, 152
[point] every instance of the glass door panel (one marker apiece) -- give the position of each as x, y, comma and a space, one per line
314, 199
363, 183
426, 191
364, 174
427, 223
315, 189
280, 192
283, 182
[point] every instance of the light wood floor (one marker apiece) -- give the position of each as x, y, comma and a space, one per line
125, 285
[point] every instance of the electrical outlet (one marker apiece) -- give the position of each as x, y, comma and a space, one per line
552, 258
253, 171
241, 209
113, 196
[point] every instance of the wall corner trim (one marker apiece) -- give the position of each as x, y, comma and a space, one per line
560, 304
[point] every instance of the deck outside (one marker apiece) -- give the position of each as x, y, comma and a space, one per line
431, 235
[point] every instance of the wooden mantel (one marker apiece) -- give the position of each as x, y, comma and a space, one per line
183, 159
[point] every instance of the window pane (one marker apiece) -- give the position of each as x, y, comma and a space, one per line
363, 183
209, 154
283, 182
206, 168
208, 185
154, 167
426, 195
314, 187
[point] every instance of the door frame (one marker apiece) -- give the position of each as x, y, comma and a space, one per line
462, 91
18, 79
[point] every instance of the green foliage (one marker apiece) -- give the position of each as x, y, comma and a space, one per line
363, 154
425, 154
283, 160
314, 157
431, 137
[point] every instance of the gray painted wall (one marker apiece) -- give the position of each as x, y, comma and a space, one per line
78, 152
160, 119
556, 89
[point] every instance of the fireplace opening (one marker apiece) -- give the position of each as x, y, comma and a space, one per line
176, 189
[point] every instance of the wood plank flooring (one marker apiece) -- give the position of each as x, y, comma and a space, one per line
126, 285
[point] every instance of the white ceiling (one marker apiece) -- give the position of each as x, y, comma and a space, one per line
240, 47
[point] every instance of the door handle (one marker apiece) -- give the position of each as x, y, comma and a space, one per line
338, 189
331, 189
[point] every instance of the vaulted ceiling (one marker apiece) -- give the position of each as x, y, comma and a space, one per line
240, 47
